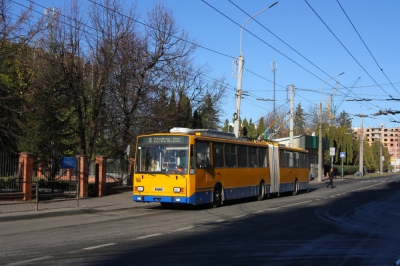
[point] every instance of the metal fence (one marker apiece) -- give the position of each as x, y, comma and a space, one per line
117, 171
10, 181
49, 181
54, 184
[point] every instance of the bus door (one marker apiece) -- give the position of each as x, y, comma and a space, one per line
205, 178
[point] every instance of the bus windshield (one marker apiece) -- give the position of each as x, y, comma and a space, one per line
162, 154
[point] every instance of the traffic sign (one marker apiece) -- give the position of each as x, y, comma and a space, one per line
68, 163
342, 154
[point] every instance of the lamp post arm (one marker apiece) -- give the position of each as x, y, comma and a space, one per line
241, 30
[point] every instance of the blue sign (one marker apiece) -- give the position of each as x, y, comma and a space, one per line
68, 163
342, 154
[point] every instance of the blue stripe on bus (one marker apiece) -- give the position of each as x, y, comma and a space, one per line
206, 196
195, 199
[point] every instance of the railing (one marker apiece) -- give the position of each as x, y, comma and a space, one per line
10, 178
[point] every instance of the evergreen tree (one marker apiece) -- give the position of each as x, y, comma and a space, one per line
15, 79
184, 115
209, 112
225, 128
252, 133
344, 120
299, 121
260, 127
245, 126
197, 120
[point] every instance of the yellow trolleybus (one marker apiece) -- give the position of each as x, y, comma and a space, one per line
200, 166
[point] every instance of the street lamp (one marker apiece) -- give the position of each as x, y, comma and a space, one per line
320, 158
236, 115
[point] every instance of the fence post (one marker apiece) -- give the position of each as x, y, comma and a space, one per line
83, 176
101, 161
26, 172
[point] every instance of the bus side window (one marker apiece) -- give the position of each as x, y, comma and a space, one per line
253, 156
202, 154
218, 156
230, 155
262, 153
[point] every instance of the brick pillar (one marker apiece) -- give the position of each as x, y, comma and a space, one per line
101, 161
68, 174
83, 176
26, 172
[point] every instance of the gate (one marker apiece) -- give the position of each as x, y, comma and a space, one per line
52, 182
10, 177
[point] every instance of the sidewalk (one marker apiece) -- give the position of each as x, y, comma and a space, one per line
19, 210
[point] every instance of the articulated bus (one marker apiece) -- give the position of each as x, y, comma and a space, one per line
200, 166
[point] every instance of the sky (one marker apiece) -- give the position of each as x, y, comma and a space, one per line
311, 41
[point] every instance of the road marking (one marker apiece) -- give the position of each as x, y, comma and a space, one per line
184, 228
289, 205
29, 261
100, 246
220, 221
239, 216
148, 236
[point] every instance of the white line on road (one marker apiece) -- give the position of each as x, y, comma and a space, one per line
184, 228
289, 205
143, 237
100, 246
29, 261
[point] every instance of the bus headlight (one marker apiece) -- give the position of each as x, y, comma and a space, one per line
140, 189
177, 189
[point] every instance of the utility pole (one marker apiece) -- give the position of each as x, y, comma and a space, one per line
361, 166
236, 115
320, 158
291, 115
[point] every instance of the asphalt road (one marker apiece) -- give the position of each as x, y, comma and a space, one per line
354, 224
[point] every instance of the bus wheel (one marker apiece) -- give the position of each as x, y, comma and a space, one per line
296, 188
261, 191
217, 197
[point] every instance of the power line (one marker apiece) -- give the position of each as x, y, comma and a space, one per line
366, 46
344, 47
279, 39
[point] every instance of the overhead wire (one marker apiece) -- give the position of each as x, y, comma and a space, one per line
345, 47
366, 46
212, 50
273, 47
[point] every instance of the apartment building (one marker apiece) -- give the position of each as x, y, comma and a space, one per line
390, 139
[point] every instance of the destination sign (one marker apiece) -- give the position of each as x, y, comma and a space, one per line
164, 140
